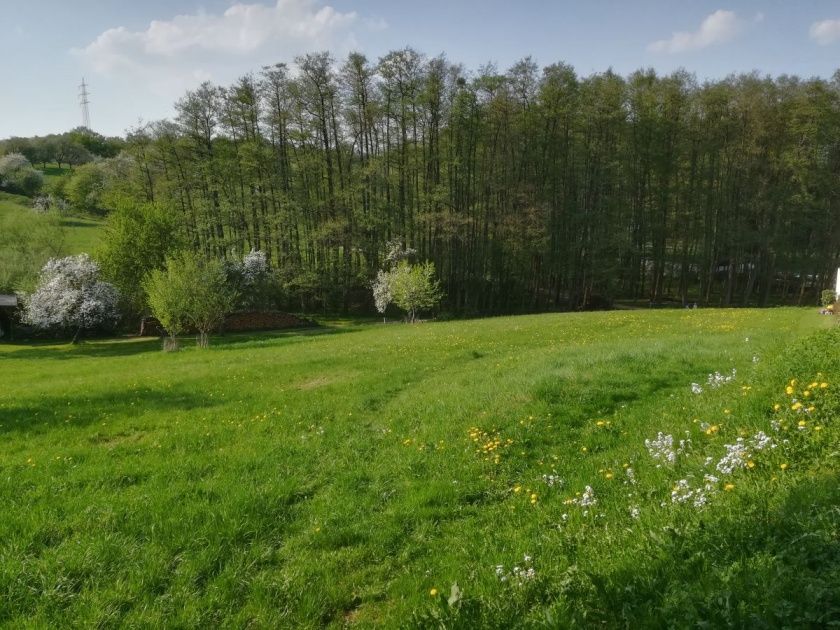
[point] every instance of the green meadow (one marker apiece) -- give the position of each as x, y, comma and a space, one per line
484, 473
79, 233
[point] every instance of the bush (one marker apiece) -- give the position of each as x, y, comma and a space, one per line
190, 291
828, 297
17, 175
85, 187
254, 282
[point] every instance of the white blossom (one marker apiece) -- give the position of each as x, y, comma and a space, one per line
382, 296
736, 457
70, 295
588, 497
254, 266
662, 448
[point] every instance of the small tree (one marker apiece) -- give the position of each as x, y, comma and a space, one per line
167, 294
71, 296
382, 291
828, 297
190, 291
414, 287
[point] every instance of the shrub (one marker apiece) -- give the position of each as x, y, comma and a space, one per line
17, 174
190, 291
828, 297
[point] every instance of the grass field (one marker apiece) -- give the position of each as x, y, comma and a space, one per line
80, 234
351, 476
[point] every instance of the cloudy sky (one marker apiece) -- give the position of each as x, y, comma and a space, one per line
139, 57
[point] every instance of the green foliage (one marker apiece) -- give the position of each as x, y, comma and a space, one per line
321, 479
190, 291
529, 188
414, 287
18, 176
136, 240
85, 187
828, 297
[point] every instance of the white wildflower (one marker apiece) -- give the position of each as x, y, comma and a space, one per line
588, 497
736, 457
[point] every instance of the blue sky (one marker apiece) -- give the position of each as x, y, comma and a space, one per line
139, 57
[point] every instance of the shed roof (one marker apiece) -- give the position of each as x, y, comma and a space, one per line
8, 300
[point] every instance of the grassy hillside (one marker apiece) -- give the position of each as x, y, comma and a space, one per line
81, 233
354, 476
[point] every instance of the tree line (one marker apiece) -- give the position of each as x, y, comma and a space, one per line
529, 189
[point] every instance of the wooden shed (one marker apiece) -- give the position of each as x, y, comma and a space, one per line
8, 305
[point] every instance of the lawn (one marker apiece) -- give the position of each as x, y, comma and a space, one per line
354, 475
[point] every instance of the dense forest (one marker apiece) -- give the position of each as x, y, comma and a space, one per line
529, 189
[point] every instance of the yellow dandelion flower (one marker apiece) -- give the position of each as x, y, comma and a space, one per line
751, 464
783, 466
726, 411
788, 390
609, 475
802, 423
729, 487
776, 407
823, 385
806, 393
433, 592
796, 406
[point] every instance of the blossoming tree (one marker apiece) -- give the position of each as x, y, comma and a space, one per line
70, 296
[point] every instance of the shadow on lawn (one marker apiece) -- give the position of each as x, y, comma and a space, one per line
130, 346
79, 410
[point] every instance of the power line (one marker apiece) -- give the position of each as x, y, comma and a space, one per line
84, 102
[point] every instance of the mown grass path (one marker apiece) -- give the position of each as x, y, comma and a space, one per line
339, 476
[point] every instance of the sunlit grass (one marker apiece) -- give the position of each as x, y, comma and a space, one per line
354, 474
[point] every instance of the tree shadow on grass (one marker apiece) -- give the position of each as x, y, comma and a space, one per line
97, 348
81, 410
130, 346
231, 341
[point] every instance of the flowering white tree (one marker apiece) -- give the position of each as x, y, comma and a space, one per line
410, 287
71, 296
254, 267
382, 291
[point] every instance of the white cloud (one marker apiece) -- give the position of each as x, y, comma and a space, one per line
717, 28
173, 55
825, 32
